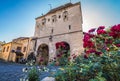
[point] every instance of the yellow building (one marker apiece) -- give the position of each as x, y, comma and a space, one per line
20, 44
1, 43
6, 50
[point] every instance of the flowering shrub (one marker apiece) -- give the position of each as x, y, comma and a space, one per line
101, 40
32, 72
101, 61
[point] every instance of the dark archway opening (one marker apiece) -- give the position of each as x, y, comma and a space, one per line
19, 55
31, 57
43, 54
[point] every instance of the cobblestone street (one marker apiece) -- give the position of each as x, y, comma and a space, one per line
10, 71
13, 71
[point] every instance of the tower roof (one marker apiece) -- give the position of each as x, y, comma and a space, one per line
59, 8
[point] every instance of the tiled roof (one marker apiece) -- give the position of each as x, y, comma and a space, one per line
59, 8
21, 38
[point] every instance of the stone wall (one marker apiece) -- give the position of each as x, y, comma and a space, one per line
73, 39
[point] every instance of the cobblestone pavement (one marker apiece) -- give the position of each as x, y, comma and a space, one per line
13, 71
10, 71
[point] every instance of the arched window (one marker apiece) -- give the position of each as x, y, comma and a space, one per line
7, 49
59, 16
48, 20
65, 15
4, 49
37, 25
62, 52
62, 47
43, 21
54, 18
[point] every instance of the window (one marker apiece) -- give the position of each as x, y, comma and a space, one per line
48, 20
59, 16
54, 18
69, 27
24, 49
43, 21
65, 15
52, 31
4, 49
37, 25
18, 48
7, 49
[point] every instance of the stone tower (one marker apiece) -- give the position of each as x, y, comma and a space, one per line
61, 24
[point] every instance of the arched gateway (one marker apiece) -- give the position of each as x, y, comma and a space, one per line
43, 54
63, 48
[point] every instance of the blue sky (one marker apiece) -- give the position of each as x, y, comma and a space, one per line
17, 17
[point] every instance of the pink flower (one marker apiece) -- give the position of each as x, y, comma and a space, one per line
57, 45
108, 41
87, 40
86, 37
90, 51
101, 27
115, 28
113, 34
54, 57
101, 31
118, 45
91, 30
84, 44
59, 55
88, 44
115, 31
74, 56
98, 53
60, 44
107, 48
86, 56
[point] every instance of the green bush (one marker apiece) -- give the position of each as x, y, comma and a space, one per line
104, 68
33, 74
